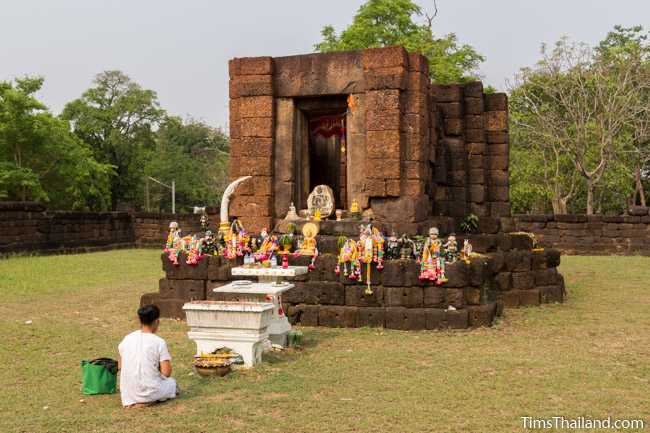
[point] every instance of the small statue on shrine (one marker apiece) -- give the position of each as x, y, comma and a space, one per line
432, 262
418, 247
392, 247
406, 247
209, 245
194, 250
371, 249
317, 215
236, 240
466, 254
451, 248
174, 244
204, 221
355, 212
269, 246
309, 246
292, 215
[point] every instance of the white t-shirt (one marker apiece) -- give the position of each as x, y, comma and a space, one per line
140, 377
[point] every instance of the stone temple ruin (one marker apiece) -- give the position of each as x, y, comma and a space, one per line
409, 150
412, 154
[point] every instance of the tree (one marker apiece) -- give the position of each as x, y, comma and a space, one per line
540, 170
578, 104
626, 45
118, 119
192, 154
380, 23
40, 159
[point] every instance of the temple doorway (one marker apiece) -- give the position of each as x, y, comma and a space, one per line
324, 153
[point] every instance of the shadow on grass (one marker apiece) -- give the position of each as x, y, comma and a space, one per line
312, 337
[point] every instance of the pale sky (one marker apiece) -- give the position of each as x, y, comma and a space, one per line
181, 49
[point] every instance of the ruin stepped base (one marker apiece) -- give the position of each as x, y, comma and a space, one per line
509, 273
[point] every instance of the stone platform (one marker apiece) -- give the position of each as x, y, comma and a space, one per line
508, 274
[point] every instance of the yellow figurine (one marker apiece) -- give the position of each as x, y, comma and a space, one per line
317, 215
309, 246
354, 207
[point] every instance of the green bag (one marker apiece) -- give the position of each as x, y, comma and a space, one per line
99, 376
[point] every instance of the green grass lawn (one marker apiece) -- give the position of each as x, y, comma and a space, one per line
587, 357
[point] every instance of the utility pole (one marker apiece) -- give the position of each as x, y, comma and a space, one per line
173, 197
172, 187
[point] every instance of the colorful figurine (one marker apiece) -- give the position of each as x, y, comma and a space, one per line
194, 250
269, 246
355, 212
432, 262
236, 240
392, 247
173, 246
209, 245
309, 247
466, 254
204, 221
406, 247
451, 248
348, 256
370, 249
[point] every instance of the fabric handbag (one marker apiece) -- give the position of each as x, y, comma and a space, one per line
99, 376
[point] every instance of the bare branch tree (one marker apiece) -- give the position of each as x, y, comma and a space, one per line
430, 18
578, 106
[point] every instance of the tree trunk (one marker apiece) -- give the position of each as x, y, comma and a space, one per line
590, 197
638, 188
559, 206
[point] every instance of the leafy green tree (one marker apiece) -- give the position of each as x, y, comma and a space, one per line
40, 159
192, 154
380, 23
118, 119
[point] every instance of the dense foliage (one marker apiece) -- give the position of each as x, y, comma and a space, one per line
381, 23
100, 152
40, 159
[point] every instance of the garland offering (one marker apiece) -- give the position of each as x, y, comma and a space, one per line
236, 241
368, 249
192, 245
432, 263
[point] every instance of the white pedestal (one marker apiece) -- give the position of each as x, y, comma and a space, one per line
240, 326
269, 289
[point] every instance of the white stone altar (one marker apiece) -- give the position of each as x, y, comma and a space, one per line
240, 326
268, 289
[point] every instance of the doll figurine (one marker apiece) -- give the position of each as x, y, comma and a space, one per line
451, 248
432, 262
467, 251
392, 247
174, 243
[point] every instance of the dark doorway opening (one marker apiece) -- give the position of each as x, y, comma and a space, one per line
323, 146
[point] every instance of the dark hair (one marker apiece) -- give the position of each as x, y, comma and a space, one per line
148, 314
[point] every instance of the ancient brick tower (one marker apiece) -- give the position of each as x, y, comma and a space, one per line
411, 151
